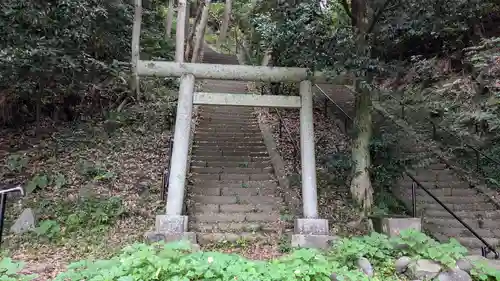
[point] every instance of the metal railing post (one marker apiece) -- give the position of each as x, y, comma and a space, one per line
478, 161
434, 132
414, 198
280, 128
325, 107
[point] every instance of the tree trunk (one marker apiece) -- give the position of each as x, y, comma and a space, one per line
136, 33
188, 16
225, 23
180, 31
200, 32
361, 187
169, 20
190, 42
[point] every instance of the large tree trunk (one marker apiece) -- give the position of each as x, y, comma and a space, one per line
225, 23
361, 188
200, 32
169, 20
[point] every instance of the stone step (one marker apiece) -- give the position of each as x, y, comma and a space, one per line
458, 207
210, 129
240, 191
449, 232
427, 171
222, 109
249, 149
227, 108
226, 176
239, 134
231, 139
211, 238
440, 192
236, 227
198, 208
221, 121
230, 121
432, 176
216, 117
201, 218
452, 199
244, 164
234, 183
407, 183
476, 224
228, 143
241, 153
235, 170
473, 244
238, 159
490, 215
252, 147
203, 123
252, 200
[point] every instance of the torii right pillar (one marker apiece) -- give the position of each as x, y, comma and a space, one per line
310, 231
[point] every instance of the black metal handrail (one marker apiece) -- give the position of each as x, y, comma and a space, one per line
488, 248
281, 128
478, 153
347, 119
435, 127
166, 172
485, 250
5, 190
478, 158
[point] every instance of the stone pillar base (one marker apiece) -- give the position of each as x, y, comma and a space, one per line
170, 228
171, 223
313, 241
156, 236
312, 233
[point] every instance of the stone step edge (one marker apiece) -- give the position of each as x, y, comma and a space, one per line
228, 237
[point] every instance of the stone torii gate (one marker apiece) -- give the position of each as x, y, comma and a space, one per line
310, 230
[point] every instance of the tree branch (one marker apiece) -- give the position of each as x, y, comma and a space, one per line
347, 10
378, 14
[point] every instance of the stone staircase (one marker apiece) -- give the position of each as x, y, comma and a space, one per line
232, 193
467, 201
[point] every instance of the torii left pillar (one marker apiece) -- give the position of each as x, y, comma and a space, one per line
173, 225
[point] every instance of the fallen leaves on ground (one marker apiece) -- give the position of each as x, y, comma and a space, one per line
132, 152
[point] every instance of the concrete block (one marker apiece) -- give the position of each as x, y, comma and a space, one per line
25, 222
171, 223
311, 226
156, 236
312, 241
392, 226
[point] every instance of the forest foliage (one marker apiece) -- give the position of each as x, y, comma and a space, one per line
59, 58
